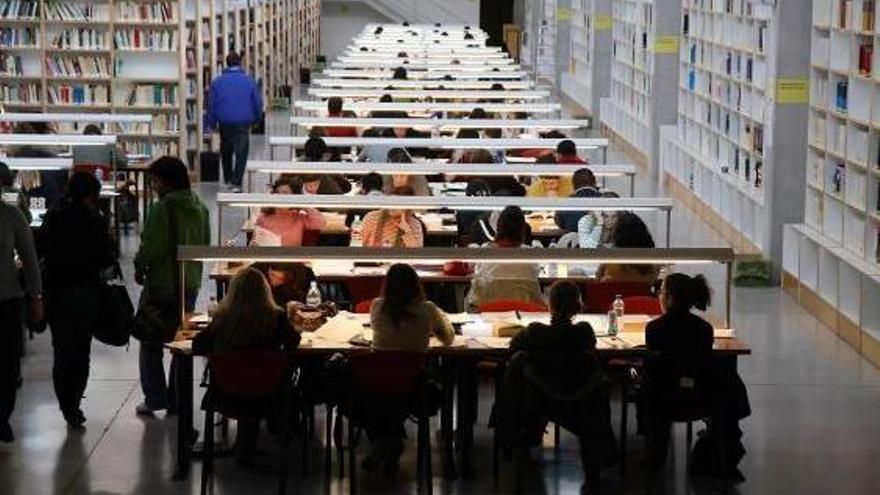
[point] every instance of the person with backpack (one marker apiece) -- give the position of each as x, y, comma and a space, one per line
178, 218
76, 247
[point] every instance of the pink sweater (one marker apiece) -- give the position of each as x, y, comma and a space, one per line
290, 224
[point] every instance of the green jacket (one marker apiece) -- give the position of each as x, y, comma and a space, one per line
156, 257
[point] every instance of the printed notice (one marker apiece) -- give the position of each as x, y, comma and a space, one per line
604, 22
666, 43
563, 14
793, 91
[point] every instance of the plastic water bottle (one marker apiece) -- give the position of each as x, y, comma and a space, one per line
356, 239
612, 323
212, 307
617, 306
313, 297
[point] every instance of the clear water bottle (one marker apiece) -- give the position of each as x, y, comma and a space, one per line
313, 297
612, 323
356, 239
617, 306
212, 307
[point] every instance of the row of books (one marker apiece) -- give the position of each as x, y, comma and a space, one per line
19, 37
743, 34
19, 9
845, 15
149, 148
735, 65
150, 12
81, 66
80, 39
20, 93
162, 123
152, 94
146, 39
736, 7
733, 158
78, 94
68, 11
10, 65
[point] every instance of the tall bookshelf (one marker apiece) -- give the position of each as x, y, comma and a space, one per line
587, 79
111, 55
833, 258
643, 74
306, 43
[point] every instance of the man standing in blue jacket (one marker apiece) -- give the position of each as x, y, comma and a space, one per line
234, 105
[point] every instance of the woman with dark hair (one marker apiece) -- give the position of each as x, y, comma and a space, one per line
506, 281
402, 320
289, 224
76, 246
629, 232
418, 183
683, 342
561, 334
178, 218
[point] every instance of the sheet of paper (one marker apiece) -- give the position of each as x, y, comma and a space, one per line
200, 319
725, 333
598, 322
501, 316
265, 237
340, 329
632, 339
462, 318
332, 267
367, 335
494, 342
314, 342
477, 329
526, 318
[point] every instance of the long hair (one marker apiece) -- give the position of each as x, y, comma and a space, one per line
631, 232
247, 317
687, 292
511, 226
402, 288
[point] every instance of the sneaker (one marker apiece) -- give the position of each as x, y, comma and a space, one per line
143, 409
75, 419
6, 435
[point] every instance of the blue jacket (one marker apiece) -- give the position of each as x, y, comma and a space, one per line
235, 99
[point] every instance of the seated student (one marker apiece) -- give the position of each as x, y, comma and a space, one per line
584, 183
316, 150
370, 185
376, 153
7, 183
566, 153
561, 334
399, 74
402, 320
684, 344
595, 229
476, 155
484, 228
629, 232
541, 152
506, 281
393, 228
550, 186
334, 109
388, 114
288, 281
247, 319
290, 223
104, 158
465, 219
418, 183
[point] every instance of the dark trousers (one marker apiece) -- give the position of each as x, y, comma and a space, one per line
235, 142
10, 354
72, 316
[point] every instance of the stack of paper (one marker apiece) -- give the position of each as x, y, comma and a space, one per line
340, 329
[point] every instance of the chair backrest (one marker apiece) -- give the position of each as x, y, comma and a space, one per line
642, 305
249, 374
681, 382
599, 295
311, 237
364, 288
562, 376
386, 373
512, 305
363, 307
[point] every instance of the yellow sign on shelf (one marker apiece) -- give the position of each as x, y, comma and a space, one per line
563, 14
666, 43
604, 22
793, 91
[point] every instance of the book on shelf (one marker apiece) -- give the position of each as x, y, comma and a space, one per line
20, 9
841, 99
152, 94
866, 58
868, 15
838, 176
81, 66
78, 94
146, 39
79, 39
19, 37
163, 12
10, 65
844, 10
22, 93
68, 11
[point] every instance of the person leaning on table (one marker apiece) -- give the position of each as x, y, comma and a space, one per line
393, 228
550, 186
629, 232
15, 238
156, 266
402, 320
290, 224
247, 320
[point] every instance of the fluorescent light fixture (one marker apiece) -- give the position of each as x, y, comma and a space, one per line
469, 169
368, 106
422, 75
459, 203
427, 50
16, 163
437, 94
140, 118
462, 66
448, 143
357, 56
443, 124
419, 84
674, 256
55, 139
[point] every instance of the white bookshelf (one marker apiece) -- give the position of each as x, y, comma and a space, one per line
841, 230
586, 78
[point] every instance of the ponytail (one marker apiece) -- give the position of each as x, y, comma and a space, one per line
688, 292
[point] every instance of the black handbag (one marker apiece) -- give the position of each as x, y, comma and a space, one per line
115, 318
158, 314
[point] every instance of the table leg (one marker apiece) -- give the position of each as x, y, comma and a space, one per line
184, 390
467, 407
447, 372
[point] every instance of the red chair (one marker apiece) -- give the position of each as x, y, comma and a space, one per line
598, 296
389, 381
512, 305
642, 305
363, 307
311, 237
363, 288
246, 385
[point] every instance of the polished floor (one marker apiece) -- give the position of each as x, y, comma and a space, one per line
815, 427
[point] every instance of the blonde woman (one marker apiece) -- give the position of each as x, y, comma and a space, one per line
247, 320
